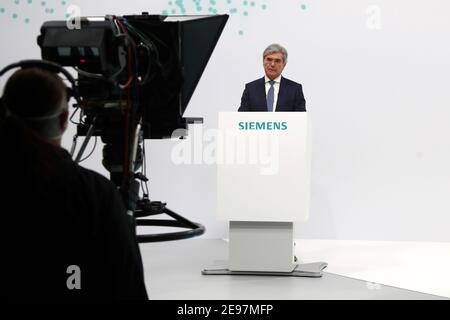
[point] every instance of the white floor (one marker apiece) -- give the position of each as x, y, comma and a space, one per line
357, 270
418, 266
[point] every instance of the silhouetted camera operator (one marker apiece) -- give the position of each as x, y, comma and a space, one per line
65, 232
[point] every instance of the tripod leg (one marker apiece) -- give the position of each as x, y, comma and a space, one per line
184, 221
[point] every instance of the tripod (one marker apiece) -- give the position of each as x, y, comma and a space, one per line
141, 208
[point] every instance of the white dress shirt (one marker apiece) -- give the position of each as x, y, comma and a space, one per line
276, 89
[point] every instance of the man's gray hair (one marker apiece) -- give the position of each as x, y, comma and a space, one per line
276, 48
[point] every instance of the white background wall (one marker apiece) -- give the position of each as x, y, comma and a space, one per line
375, 77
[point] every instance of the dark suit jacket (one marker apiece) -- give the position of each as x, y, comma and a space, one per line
290, 96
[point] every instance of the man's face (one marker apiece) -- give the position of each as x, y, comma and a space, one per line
273, 65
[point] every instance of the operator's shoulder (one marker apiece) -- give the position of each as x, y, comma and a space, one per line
87, 178
93, 175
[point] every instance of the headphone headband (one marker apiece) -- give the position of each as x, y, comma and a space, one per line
46, 65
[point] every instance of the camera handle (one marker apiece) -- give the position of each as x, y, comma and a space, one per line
85, 142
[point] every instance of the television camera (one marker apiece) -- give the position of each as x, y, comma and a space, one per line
135, 77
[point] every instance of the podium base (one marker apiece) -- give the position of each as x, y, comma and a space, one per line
311, 270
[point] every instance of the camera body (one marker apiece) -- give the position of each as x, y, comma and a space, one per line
122, 62
134, 77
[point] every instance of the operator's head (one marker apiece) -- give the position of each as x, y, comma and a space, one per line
274, 60
39, 98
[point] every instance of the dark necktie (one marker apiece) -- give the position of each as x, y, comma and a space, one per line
270, 97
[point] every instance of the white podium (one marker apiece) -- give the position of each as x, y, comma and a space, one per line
263, 186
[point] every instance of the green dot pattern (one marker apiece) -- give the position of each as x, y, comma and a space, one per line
243, 8
211, 7
18, 10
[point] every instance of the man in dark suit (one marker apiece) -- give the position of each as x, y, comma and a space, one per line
273, 92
